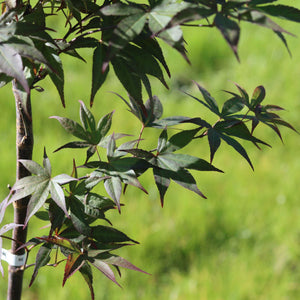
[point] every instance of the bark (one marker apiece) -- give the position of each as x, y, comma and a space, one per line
24, 145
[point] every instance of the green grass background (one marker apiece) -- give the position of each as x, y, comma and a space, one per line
243, 242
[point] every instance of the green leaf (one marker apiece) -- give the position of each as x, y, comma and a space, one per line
113, 187
180, 140
105, 234
38, 199
230, 31
210, 102
46, 164
154, 110
71, 127
33, 167
214, 142
183, 178
121, 262
98, 77
87, 118
87, 274
62, 242
58, 196
73, 264
162, 141
104, 268
125, 32
56, 72
152, 46
130, 81
11, 65
104, 125
238, 147
162, 182
120, 9
282, 11
258, 96
188, 162
42, 258
232, 106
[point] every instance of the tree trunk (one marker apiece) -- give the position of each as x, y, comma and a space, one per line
24, 144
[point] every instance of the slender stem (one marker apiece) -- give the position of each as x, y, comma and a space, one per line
140, 136
24, 145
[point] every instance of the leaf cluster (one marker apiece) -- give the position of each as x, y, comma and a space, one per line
125, 36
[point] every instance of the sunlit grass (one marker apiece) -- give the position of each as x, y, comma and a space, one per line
240, 243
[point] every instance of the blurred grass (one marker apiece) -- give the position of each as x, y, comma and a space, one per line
240, 243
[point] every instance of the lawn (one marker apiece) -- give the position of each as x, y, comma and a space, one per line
243, 242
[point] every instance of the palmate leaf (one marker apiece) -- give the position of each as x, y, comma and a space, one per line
40, 186
128, 28
182, 177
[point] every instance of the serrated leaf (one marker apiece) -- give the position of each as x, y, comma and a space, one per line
104, 268
104, 125
243, 93
282, 11
152, 46
42, 258
230, 31
183, 178
73, 264
113, 187
74, 145
169, 121
127, 29
62, 242
238, 147
214, 142
238, 129
38, 199
154, 110
98, 77
11, 65
180, 140
33, 167
121, 262
63, 178
261, 19
210, 102
56, 71
46, 164
232, 106
162, 141
26, 48
162, 182
71, 127
58, 196
188, 162
87, 118
130, 81
87, 274
105, 234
